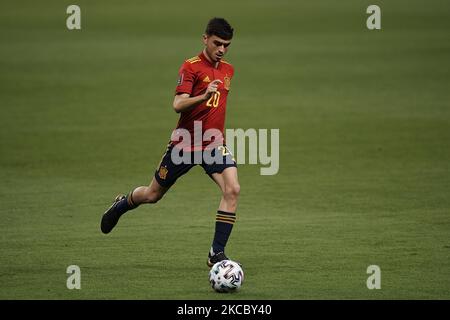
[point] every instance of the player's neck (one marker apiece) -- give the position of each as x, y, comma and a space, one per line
214, 64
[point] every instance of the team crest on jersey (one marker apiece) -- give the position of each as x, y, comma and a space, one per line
163, 172
227, 82
180, 79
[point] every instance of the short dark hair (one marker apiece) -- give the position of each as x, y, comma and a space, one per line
219, 27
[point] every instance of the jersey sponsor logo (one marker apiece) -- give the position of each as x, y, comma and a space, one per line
180, 79
206, 79
227, 82
163, 172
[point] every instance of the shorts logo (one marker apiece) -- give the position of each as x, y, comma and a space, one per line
227, 82
180, 79
163, 172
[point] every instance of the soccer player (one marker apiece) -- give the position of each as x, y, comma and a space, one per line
200, 98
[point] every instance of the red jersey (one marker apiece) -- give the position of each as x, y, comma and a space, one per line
194, 77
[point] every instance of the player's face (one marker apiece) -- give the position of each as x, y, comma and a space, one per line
215, 47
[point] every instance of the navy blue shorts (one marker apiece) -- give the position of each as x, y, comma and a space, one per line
169, 170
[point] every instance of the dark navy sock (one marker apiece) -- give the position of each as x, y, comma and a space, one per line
126, 204
224, 225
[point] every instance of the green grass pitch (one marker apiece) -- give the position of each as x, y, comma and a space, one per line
364, 179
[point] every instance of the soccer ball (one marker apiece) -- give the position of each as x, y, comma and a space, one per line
226, 276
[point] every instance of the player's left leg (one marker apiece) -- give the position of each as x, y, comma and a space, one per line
228, 182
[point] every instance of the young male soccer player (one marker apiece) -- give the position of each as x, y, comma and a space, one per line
200, 97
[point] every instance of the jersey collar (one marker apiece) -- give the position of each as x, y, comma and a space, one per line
205, 59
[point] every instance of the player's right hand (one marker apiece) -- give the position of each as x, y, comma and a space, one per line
212, 88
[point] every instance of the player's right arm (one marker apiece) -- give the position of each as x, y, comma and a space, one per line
184, 102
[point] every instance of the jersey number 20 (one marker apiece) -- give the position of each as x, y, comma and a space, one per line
214, 100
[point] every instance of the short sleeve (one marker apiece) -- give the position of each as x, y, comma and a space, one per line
186, 79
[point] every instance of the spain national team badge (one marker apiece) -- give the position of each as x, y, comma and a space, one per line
227, 82
163, 173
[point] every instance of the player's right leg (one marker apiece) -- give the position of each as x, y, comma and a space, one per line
165, 176
151, 194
